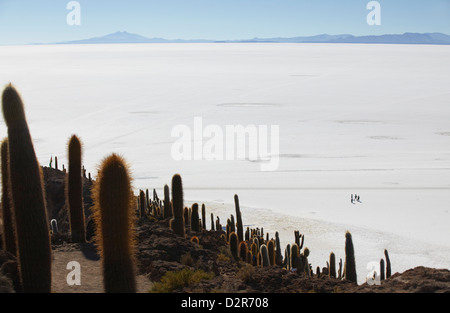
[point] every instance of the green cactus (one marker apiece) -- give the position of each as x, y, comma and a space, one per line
177, 221
332, 269
234, 245
350, 266
28, 199
9, 236
115, 222
382, 273
195, 222
240, 227
74, 192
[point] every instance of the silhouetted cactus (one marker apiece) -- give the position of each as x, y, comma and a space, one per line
142, 204
295, 256
212, 222
340, 269
234, 245
287, 257
265, 261
195, 222
299, 239
332, 269
203, 216
115, 223
28, 199
255, 250
187, 217
9, 236
305, 263
278, 255
74, 191
350, 265
243, 249
240, 227
167, 204
382, 273
271, 251
388, 264
177, 221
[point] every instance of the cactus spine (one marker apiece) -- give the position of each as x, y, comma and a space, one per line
350, 266
74, 192
28, 200
9, 237
177, 222
115, 221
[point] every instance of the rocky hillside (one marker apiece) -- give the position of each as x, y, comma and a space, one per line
169, 263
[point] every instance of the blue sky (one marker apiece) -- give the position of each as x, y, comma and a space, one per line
43, 21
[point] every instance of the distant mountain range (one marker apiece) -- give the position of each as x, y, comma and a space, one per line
406, 38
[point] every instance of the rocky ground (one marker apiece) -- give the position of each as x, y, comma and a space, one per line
159, 251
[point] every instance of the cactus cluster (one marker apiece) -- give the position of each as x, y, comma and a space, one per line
26, 225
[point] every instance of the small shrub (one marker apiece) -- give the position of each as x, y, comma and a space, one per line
177, 280
246, 272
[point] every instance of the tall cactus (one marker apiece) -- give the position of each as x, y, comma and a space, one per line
203, 216
265, 261
234, 245
350, 265
278, 255
243, 250
28, 200
9, 236
240, 227
115, 221
295, 256
177, 221
271, 250
332, 270
74, 192
195, 221
167, 205
388, 264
